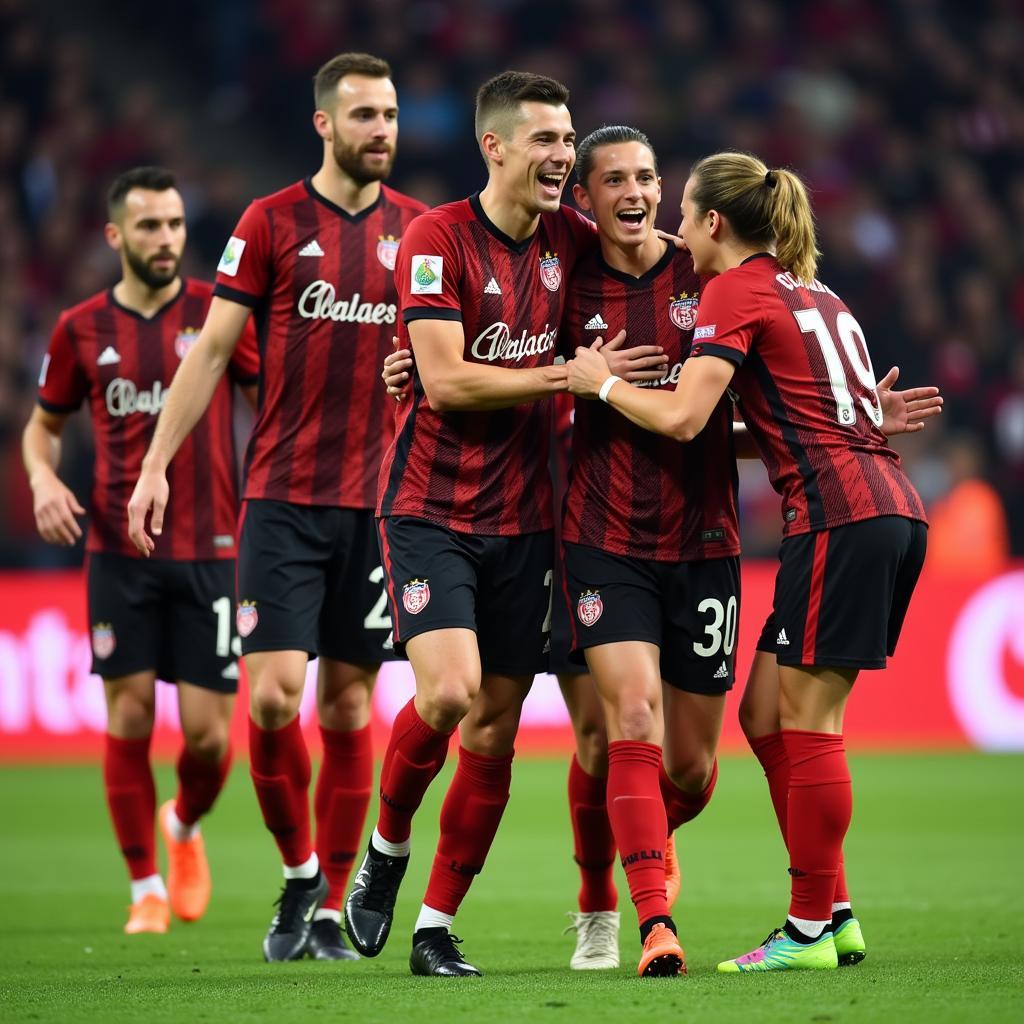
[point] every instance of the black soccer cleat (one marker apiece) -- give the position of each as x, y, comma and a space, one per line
370, 907
327, 942
434, 953
289, 931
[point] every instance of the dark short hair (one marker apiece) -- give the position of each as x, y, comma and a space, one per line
609, 135
498, 99
325, 81
156, 179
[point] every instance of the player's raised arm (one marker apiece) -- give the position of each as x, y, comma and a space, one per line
54, 504
188, 398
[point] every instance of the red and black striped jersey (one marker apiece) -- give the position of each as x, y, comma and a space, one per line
481, 472
123, 363
806, 390
321, 285
632, 492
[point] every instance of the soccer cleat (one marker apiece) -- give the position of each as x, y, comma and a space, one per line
151, 914
370, 907
673, 879
434, 953
849, 940
781, 953
327, 942
289, 930
662, 957
188, 874
597, 940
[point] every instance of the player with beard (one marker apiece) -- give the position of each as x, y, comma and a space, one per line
169, 618
314, 261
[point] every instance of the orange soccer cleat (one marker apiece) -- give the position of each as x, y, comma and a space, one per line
150, 914
662, 957
188, 874
673, 879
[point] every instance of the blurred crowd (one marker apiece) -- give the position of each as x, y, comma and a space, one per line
905, 118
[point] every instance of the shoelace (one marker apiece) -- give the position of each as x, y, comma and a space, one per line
289, 907
773, 936
382, 887
598, 929
445, 944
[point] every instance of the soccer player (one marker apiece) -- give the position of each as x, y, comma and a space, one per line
795, 356
314, 261
170, 617
651, 540
465, 501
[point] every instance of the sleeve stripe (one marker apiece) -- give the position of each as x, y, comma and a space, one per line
430, 313
722, 351
223, 291
56, 407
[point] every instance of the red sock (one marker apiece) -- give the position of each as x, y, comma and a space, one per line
680, 806
818, 815
593, 840
279, 765
343, 790
199, 784
770, 750
637, 813
131, 797
414, 756
470, 817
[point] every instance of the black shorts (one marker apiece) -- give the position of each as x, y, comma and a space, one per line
841, 595
690, 610
159, 615
309, 579
561, 661
500, 587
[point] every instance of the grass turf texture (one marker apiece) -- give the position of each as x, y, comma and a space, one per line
933, 861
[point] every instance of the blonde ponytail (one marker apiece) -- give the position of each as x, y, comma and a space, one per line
764, 207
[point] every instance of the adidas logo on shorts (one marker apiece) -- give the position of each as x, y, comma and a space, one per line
782, 639
312, 249
595, 323
723, 672
493, 288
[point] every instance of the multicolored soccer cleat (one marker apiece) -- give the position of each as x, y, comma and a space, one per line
673, 878
780, 953
149, 915
849, 940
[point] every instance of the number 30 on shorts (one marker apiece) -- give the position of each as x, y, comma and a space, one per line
721, 630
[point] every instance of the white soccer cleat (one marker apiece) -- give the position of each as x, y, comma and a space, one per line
597, 940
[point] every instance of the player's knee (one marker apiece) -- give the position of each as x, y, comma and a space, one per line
591, 744
450, 702
348, 709
635, 719
130, 714
273, 705
691, 774
209, 743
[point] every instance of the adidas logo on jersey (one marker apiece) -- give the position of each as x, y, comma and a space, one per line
231, 672
782, 639
493, 288
108, 357
311, 249
723, 672
595, 323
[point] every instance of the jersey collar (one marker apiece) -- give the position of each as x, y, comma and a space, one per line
159, 313
644, 279
352, 218
758, 256
492, 228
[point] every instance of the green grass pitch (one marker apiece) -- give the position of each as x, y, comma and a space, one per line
934, 861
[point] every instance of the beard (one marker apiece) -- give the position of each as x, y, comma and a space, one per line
350, 160
148, 274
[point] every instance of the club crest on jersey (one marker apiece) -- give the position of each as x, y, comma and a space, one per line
416, 596
589, 607
246, 618
185, 340
387, 250
551, 271
103, 640
683, 311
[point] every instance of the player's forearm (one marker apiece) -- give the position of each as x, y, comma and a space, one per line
188, 398
658, 411
40, 452
475, 387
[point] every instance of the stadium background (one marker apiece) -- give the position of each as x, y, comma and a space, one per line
906, 119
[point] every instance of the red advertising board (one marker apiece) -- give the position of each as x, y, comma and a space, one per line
957, 679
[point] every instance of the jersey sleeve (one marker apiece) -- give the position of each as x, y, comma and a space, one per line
728, 318
62, 382
428, 272
582, 240
245, 265
244, 367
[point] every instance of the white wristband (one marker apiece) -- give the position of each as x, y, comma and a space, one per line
606, 387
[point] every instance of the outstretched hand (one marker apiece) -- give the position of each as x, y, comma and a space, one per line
588, 370
904, 412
